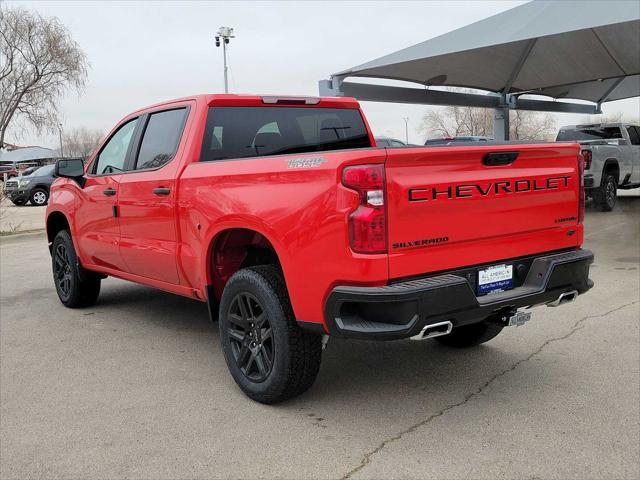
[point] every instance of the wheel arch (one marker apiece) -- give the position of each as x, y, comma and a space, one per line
42, 186
612, 166
56, 222
236, 247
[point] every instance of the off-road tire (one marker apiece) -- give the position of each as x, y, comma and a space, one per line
39, 197
296, 353
604, 197
80, 287
471, 335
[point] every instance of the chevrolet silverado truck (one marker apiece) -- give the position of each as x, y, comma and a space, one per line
285, 218
611, 154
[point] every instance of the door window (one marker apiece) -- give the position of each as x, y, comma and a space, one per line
112, 157
161, 138
634, 135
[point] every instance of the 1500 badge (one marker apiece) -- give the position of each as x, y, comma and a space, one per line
305, 162
466, 190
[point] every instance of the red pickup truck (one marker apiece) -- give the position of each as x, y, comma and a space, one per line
283, 215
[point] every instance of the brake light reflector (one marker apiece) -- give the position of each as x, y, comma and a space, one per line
581, 163
586, 154
368, 222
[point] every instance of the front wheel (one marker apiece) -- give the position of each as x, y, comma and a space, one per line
269, 356
18, 202
471, 335
39, 197
76, 286
606, 195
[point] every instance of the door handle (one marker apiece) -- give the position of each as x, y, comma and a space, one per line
162, 191
109, 192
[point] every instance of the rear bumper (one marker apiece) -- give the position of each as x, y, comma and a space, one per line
402, 309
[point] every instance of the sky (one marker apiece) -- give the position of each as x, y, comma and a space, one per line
146, 52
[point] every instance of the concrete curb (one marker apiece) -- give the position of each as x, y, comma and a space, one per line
7, 238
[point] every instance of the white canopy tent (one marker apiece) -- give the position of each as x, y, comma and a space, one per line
586, 50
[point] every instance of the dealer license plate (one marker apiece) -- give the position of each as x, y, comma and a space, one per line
496, 278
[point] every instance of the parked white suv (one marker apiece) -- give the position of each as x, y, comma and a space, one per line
612, 158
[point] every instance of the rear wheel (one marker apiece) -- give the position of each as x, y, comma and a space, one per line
76, 286
269, 356
19, 202
471, 335
605, 196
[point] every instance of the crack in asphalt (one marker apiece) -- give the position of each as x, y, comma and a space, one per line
578, 325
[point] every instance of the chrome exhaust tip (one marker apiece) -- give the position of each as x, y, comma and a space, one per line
434, 330
565, 297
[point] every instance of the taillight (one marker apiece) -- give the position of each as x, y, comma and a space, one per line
368, 222
581, 163
586, 154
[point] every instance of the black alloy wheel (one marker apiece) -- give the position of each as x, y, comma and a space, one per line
62, 270
611, 193
251, 337
605, 197
268, 355
76, 287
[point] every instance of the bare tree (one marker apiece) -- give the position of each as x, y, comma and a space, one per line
39, 62
80, 142
462, 121
457, 121
527, 125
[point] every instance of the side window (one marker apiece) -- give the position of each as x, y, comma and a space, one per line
113, 155
161, 138
634, 135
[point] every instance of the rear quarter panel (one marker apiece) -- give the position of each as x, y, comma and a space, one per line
301, 211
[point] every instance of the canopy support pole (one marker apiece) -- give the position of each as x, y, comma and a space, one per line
501, 124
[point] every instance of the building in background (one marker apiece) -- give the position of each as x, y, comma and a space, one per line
21, 158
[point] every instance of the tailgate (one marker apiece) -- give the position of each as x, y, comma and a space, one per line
450, 207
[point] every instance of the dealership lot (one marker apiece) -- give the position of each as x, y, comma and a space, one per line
137, 387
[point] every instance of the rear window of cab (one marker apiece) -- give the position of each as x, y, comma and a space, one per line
242, 132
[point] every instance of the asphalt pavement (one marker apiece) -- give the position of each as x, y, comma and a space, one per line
136, 387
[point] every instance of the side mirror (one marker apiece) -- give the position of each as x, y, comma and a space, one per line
70, 168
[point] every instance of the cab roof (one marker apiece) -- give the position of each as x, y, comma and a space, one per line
246, 100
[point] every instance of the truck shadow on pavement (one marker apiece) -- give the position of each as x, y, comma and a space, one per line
351, 370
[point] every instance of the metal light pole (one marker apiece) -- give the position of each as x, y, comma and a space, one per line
60, 134
223, 36
406, 128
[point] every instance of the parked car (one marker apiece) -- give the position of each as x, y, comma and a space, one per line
611, 154
7, 171
390, 142
277, 212
454, 140
32, 188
